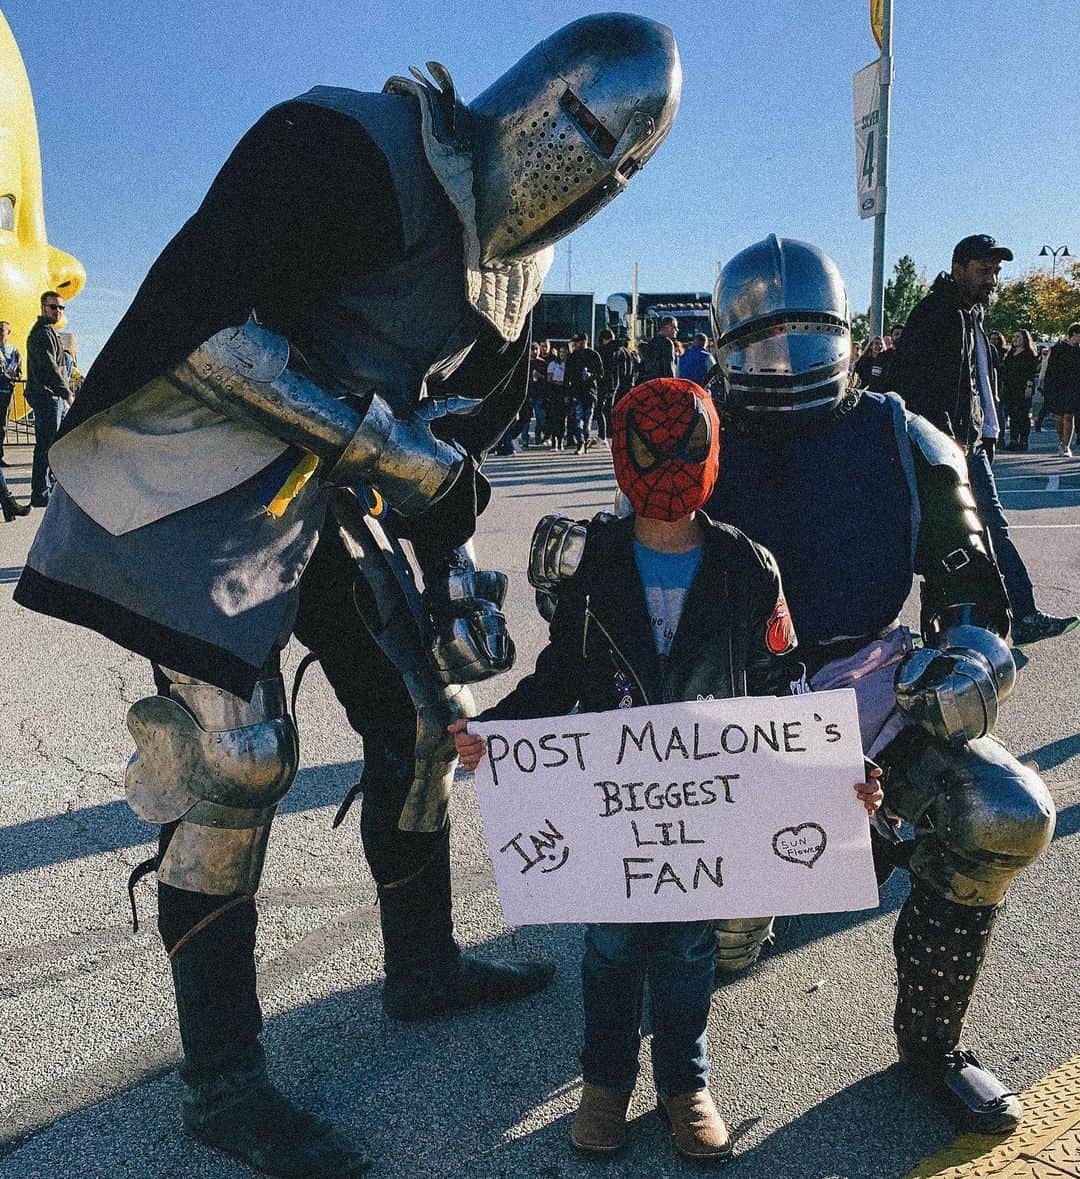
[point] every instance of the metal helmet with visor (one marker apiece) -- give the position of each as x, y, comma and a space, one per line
560, 134
783, 335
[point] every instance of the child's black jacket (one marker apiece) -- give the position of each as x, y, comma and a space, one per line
601, 653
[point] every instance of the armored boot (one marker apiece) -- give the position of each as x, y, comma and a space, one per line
427, 976
940, 947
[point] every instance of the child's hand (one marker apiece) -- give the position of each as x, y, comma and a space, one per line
869, 792
470, 748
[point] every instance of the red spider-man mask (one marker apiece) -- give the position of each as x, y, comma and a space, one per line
666, 447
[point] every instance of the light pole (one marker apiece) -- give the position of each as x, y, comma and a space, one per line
1060, 252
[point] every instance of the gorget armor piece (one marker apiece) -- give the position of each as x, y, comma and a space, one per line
503, 292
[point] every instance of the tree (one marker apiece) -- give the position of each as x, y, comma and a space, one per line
907, 287
1043, 305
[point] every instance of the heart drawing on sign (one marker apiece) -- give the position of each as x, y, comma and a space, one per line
804, 844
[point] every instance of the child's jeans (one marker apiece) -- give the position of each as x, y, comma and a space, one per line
678, 958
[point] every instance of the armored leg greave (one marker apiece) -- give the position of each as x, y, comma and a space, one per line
739, 942
939, 947
211, 768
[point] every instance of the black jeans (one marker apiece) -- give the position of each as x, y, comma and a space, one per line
5, 405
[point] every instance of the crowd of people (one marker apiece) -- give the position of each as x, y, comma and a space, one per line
573, 387
1031, 381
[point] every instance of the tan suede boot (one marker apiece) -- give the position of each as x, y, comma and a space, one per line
697, 1129
599, 1125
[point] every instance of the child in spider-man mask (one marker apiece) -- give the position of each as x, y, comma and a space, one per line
662, 605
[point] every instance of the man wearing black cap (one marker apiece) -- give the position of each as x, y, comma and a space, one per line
942, 370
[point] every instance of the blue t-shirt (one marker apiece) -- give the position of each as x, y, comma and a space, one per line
665, 578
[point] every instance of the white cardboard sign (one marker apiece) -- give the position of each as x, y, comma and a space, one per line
679, 812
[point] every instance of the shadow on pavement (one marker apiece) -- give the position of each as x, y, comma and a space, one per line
866, 1131
1047, 757
434, 1099
111, 826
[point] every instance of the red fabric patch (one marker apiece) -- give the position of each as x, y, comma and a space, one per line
779, 630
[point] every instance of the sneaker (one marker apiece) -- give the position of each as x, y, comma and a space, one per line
599, 1126
1037, 625
698, 1131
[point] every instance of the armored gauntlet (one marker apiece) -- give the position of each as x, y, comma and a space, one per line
470, 641
953, 689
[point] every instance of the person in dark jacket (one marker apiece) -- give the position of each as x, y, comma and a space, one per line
659, 356
1061, 387
584, 377
665, 605
1019, 368
47, 392
618, 378
871, 369
943, 370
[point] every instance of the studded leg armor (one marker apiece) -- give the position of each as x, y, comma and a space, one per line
939, 947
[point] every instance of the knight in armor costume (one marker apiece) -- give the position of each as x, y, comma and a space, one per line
856, 496
310, 375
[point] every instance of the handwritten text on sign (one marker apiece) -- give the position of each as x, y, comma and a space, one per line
679, 812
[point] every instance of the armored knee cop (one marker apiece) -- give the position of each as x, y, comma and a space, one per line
218, 766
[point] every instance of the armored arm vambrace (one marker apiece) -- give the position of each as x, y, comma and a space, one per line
953, 686
243, 373
953, 555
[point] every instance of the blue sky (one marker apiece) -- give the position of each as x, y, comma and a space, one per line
139, 103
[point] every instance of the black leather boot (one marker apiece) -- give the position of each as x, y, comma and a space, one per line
427, 976
10, 508
940, 948
241, 1113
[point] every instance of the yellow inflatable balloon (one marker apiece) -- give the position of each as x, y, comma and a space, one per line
28, 264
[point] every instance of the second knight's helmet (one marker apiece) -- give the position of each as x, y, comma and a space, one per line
560, 134
783, 335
